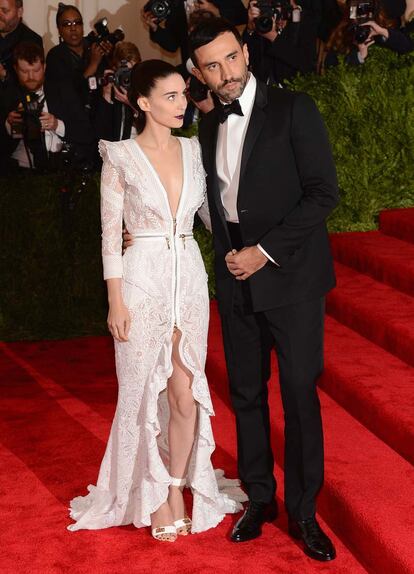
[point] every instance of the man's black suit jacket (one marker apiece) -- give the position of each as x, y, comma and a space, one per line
287, 189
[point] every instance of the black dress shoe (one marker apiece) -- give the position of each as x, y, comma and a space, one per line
316, 544
249, 526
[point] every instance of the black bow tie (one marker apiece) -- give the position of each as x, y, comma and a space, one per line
224, 111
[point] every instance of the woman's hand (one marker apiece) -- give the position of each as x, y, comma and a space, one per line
107, 90
119, 321
363, 49
121, 94
376, 30
150, 20
95, 57
252, 13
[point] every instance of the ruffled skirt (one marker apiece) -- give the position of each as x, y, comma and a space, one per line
133, 479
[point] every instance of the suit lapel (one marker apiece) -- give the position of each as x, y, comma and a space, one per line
214, 184
256, 123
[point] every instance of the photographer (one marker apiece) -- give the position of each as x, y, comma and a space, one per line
12, 32
114, 115
69, 66
362, 26
281, 38
171, 32
31, 129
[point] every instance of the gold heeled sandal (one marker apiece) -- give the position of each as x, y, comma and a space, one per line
165, 533
183, 525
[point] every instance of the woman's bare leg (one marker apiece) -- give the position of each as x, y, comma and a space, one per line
182, 427
181, 433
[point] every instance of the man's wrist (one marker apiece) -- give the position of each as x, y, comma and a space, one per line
266, 254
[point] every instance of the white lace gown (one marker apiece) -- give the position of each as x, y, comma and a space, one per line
164, 284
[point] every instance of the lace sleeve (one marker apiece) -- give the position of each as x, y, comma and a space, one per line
112, 203
200, 175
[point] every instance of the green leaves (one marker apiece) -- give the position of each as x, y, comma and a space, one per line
369, 113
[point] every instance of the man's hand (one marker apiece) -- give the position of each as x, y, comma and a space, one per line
242, 264
14, 118
3, 72
150, 20
127, 240
48, 122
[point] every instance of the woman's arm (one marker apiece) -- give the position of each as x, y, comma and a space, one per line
112, 204
119, 320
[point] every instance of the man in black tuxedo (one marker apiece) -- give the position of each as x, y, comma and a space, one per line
271, 185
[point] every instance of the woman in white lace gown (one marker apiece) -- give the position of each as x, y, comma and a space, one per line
161, 437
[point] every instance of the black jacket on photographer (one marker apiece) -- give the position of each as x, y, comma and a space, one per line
21, 33
64, 69
114, 122
14, 95
293, 50
172, 34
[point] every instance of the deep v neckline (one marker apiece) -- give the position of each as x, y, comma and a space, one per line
155, 173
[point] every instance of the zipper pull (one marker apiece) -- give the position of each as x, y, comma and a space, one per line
174, 225
167, 239
182, 236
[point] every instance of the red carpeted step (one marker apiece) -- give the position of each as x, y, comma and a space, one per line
366, 380
375, 310
382, 257
398, 222
36, 486
367, 498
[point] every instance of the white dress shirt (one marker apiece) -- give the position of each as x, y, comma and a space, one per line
53, 138
230, 142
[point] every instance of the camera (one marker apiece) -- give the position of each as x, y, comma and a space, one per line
102, 33
30, 128
197, 90
269, 9
161, 9
121, 78
361, 12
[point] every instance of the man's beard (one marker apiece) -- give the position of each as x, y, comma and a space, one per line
223, 95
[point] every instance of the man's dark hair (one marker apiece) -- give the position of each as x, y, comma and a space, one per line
18, 3
28, 52
207, 31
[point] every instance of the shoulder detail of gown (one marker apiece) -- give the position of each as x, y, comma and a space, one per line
109, 151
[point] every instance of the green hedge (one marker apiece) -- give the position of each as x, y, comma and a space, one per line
51, 273
369, 113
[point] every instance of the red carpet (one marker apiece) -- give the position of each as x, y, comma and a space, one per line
58, 400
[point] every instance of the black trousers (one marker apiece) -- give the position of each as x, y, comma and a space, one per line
296, 332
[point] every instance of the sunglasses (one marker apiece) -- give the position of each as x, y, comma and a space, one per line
72, 23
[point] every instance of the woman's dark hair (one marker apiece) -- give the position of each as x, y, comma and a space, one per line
207, 31
144, 76
62, 8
